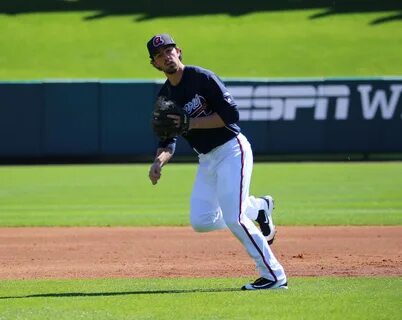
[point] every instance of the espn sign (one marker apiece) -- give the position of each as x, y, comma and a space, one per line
261, 102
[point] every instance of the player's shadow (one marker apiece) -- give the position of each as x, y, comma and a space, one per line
127, 293
147, 9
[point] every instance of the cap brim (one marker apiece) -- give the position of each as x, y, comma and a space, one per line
156, 50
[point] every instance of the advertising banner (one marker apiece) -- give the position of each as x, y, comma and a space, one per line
321, 116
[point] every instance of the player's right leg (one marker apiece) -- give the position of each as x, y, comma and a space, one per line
233, 182
205, 213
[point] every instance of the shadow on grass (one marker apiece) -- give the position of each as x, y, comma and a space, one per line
151, 9
107, 294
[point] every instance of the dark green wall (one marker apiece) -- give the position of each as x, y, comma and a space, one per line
91, 119
76, 119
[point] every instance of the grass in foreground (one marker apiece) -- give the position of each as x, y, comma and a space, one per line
121, 195
66, 44
307, 298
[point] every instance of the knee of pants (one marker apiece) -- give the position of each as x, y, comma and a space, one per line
207, 221
199, 225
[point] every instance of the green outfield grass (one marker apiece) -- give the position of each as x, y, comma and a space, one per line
121, 195
289, 43
308, 298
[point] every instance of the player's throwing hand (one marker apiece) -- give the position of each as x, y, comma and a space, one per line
155, 172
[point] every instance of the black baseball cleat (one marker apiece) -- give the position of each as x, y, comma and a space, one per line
264, 284
264, 219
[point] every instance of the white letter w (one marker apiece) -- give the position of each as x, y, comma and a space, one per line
379, 101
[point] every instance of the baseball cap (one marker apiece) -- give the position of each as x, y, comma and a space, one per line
157, 41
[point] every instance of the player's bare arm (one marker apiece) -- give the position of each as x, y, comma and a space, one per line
163, 155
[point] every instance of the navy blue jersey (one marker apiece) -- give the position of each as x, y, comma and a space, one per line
201, 93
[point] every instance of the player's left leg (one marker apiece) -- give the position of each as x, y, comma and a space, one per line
234, 174
260, 210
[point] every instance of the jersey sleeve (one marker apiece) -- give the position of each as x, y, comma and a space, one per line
168, 144
220, 99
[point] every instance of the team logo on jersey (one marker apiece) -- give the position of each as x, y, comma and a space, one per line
158, 41
197, 106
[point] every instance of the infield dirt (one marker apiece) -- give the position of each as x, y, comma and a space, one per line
158, 252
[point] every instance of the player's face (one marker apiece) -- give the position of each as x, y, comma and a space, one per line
168, 59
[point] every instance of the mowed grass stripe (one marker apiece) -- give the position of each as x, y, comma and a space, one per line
122, 195
307, 298
283, 44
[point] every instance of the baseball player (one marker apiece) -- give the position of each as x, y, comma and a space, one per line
220, 196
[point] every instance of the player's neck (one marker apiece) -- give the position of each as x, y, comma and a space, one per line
175, 78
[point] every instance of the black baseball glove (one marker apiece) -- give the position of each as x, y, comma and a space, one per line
166, 127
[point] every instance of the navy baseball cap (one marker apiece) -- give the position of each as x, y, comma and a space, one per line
158, 41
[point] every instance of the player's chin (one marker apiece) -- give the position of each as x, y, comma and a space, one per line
171, 69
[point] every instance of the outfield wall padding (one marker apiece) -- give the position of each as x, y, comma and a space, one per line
71, 119
21, 119
125, 110
95, 119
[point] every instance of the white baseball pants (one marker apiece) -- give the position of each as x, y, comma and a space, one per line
220, 199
